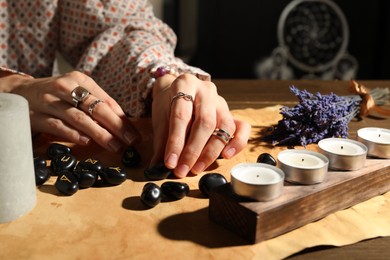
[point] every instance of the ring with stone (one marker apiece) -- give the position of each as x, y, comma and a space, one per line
93, 105
223, 135
79, 94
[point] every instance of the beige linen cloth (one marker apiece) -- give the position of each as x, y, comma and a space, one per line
365, 220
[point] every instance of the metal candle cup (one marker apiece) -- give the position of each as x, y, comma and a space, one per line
343, 154
303, 166
258, 181
377, 141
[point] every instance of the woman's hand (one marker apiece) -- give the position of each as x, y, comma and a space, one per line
53, 111
183, 128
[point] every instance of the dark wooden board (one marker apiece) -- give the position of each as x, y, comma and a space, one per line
299, 204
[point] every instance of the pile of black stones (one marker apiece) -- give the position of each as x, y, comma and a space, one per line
152, 194
72, 174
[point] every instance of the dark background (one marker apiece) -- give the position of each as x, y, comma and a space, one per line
233, 35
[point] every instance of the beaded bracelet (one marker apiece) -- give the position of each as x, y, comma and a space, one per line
158, 72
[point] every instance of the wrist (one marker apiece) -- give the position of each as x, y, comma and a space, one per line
9, 82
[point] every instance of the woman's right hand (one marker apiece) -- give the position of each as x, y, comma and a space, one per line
52, 110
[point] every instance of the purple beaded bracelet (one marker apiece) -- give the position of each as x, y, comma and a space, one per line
158, 72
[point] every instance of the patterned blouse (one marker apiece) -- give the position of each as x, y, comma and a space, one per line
116, 42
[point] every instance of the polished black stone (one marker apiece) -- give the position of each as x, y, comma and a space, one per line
131, 157
90, 165
210, 181
86, 178
173, 190
63, 162
112, 175
55, 149
157, 172
42, 172
39, 162
66, 183
266, 158
151, 194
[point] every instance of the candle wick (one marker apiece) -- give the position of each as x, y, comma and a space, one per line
379, 135
342, 147
257, 176
303, 159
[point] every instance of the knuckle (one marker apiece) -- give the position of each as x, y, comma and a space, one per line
185, 77
191, 155
45, 98
60, 84
176, 142
78, 117
182, 115
75, 75
207, 122
98, 135
55, 124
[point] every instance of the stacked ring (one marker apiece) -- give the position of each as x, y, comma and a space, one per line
79, 94
93, 105
222, 135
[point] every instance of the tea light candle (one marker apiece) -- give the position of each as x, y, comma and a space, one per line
17, 177
258, 181
343, 154
303, 166
377, 141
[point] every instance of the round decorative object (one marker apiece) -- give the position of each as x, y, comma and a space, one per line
314, 33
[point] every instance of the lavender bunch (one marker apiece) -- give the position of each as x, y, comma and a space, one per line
314, 118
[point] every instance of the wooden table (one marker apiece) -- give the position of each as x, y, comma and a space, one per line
272, 92
112, 223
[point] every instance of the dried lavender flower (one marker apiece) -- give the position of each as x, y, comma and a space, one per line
315, 117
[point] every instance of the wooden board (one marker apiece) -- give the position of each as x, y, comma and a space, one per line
299, 204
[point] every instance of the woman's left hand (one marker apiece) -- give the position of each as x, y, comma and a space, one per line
185, 126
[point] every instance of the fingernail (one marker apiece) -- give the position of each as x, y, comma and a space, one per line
171, 161
129, 137
115, 145
230, 153
198, 167
84, 139
182, 170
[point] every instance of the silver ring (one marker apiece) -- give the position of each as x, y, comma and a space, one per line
222, 135
79, 94
182, 95
93, 105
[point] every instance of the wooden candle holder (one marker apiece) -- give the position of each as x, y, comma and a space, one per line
299, 204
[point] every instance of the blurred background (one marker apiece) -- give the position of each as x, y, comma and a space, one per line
282, 39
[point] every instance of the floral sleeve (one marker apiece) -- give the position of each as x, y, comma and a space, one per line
119, 42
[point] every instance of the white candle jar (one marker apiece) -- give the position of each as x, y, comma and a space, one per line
303, 166
17, 178
343, 154
377, 141
257, 181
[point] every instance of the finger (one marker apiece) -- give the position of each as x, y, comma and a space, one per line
57, 127
102, 112
109, 115
80, 121
240, 140
202, 127
159, 136
218, 139
180, 119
